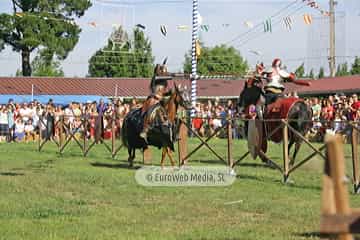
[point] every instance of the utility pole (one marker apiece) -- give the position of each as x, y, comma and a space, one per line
332, 39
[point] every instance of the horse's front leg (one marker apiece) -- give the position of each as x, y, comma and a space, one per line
169, 153
290, 144
131, 152
296, 150
163, 154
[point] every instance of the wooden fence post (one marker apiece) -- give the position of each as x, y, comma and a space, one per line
285, 150
182, 143
61, 132
113, 135
355, 158
40, 135
337, 173
229, 143
85, 134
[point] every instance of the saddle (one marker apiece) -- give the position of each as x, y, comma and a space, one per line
160, 130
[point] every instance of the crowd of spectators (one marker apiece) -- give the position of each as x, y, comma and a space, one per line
330, 113
28, 120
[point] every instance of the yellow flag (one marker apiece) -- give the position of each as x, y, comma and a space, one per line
198, 48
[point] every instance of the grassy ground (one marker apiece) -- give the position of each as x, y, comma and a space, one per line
48, 196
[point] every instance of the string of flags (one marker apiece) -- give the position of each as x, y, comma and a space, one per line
23, 14
313, 4
288, 21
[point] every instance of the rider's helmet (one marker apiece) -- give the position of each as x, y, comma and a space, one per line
276, 62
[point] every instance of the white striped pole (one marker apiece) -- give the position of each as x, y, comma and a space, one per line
193, 56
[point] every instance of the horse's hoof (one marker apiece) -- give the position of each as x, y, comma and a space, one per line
270, 164
232, 172
288, 181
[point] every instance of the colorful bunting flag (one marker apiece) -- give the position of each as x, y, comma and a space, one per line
248, 24
307, 19
268, 25
163, 30
255, 52
325, 13
92, 24
288, 23
182, 27
140, 26
200, 19
205, 28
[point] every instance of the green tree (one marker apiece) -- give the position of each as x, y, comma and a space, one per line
44, 66
300, 71
218, 60
120, 58
311, 74
42, 24
342, 70
321, 73
356, 66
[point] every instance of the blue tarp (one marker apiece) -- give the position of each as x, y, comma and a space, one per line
57, 99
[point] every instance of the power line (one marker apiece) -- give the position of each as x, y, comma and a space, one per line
260, 24
243, 42
145, 2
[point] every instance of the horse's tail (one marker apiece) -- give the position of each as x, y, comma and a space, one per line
302, 113
124, 133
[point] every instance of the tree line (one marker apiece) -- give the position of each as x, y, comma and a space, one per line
47, 29
342, 70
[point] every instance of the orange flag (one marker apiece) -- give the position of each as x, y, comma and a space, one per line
307, 19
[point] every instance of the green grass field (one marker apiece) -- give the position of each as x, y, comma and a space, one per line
48, 196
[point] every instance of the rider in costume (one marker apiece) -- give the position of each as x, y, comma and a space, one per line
275, 76
158, 87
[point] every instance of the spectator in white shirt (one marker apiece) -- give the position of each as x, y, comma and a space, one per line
19, 130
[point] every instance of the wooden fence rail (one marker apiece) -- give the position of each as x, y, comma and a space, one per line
67, 134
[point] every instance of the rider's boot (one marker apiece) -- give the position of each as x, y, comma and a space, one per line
143, 135
145, 130
259, 112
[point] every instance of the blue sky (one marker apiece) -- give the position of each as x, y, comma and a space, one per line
292, 46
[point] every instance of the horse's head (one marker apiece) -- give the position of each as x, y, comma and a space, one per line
182, 96
161, 69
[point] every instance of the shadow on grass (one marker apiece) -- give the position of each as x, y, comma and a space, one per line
209, 161
313, 235
113, 165
277, 181
11, 174
255, 165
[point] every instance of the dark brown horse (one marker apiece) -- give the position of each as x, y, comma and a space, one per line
162, 119
293, 109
